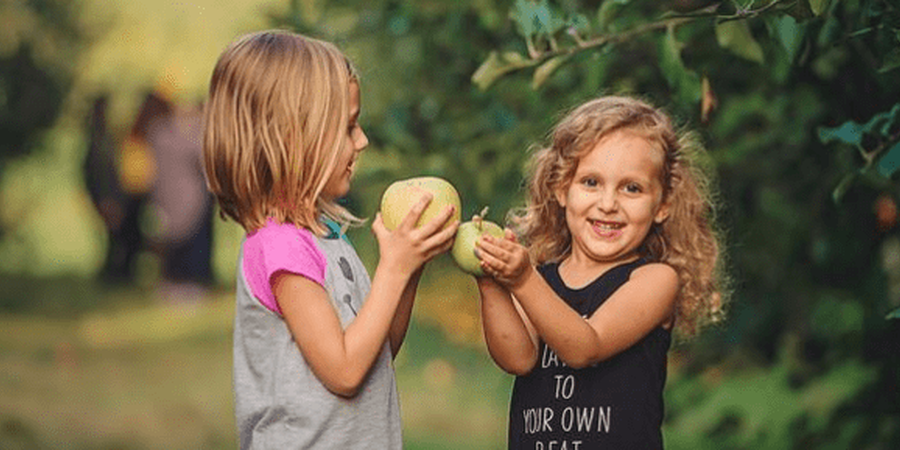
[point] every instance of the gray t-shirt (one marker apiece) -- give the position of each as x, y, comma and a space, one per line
279, 402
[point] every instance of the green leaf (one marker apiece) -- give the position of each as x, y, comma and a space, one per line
546, 69
548, 19
608, 12
831, 31
685, 82
497, 65
789, 34
736, 37
849, 132
890, 161
893, 315
819, 6
580, 23
800, 10
852, 133
882, 122
524, 14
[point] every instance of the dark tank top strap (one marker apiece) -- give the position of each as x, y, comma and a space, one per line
588, 298
618, 275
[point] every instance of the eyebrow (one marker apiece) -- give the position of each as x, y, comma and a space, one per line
629, 177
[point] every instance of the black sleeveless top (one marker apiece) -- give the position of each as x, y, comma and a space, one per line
615, 404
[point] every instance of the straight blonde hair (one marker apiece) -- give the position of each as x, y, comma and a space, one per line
687, 240
278, 104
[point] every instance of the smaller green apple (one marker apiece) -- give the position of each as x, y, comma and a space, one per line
467, 234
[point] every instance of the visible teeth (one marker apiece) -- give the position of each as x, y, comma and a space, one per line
607, 225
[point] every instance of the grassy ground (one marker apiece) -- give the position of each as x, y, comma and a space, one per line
113, 369
84, 366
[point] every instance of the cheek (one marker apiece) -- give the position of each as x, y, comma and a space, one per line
649, 210
347, 155
576, 197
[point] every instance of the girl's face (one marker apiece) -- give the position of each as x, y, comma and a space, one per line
354, 141
614, 198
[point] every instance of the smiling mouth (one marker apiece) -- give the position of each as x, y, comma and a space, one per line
603, 225
607, 230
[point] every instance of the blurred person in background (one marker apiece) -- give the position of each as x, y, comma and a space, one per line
119, 177
181, 205
102, 183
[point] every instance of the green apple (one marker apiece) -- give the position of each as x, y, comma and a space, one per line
467, 234
402, 195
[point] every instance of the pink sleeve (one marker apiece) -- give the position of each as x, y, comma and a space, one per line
280, 247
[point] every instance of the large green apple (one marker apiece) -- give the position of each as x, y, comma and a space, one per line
464, 246
402, 195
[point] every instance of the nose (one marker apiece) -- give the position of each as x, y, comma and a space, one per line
607, 200
361, 141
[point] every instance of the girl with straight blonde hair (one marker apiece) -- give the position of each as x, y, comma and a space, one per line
313, 335
618, 249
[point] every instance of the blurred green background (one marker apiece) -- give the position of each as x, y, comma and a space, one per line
797, 102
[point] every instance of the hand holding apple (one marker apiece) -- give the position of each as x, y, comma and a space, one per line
405, 249
505, 259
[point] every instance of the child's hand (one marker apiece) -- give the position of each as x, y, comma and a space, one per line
407, 248
505, 259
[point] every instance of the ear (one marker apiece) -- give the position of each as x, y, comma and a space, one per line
560, 196
662, 212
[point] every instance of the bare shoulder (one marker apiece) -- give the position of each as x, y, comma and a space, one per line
659, 283
660, 274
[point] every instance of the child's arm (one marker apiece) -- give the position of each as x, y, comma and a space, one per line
401, 319
510, 338
643, 303
341, 358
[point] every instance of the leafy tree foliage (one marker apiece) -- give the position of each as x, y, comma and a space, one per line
37, 48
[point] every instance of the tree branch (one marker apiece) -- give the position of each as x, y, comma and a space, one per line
669, 20
749, 13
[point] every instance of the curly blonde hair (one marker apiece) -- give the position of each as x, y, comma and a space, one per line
278, 102
687, 240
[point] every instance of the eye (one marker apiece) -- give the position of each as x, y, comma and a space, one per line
589, 182
633, 188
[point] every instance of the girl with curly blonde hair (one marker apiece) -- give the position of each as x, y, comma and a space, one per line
615, 249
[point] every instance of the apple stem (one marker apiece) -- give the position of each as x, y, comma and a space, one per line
478, 218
